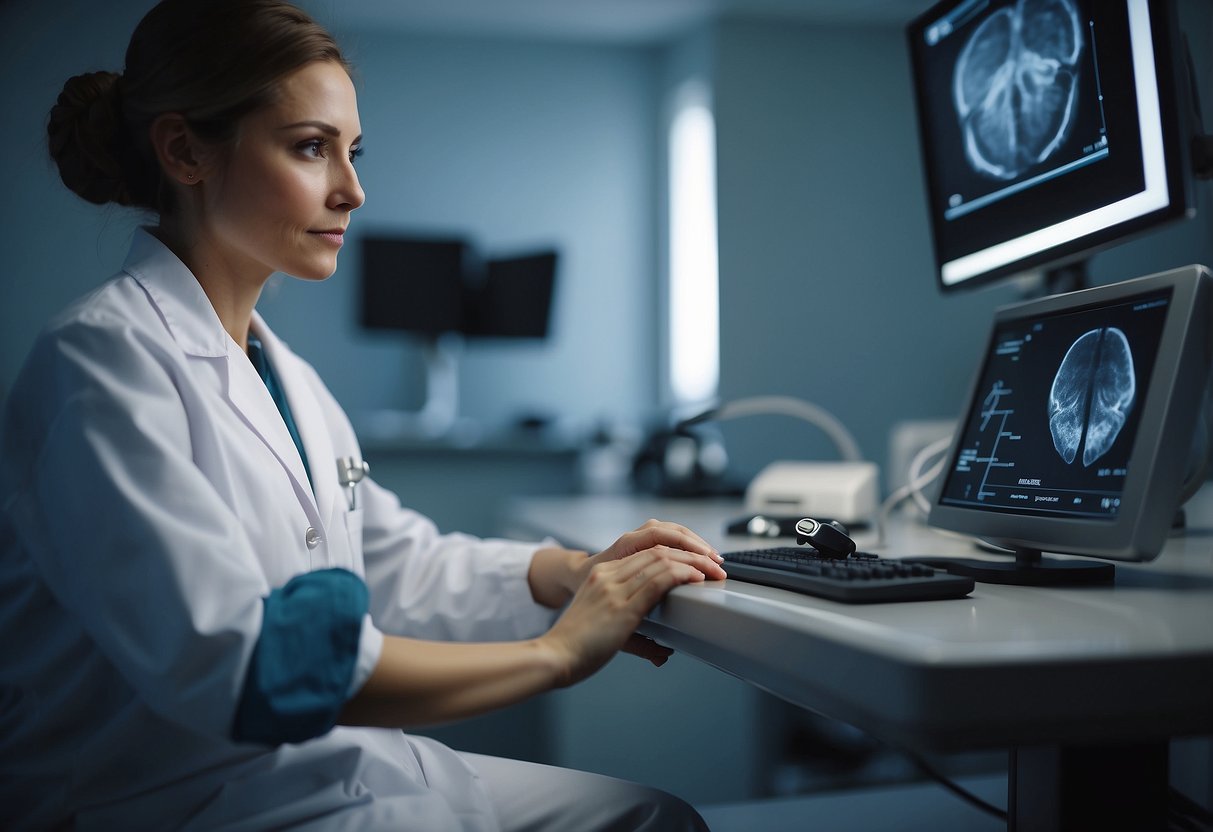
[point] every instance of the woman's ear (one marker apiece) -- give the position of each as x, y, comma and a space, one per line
177, 149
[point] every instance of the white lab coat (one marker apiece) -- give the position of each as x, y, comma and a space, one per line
150, 498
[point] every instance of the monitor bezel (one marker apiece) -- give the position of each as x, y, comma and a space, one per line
1172, 93
1158, 462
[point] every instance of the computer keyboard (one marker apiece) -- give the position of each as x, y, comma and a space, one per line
863, 578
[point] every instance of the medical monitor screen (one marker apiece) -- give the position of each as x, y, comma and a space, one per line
1048, 129
1057, 409
1078, 432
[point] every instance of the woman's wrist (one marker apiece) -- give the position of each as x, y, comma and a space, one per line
555, 574
557, 664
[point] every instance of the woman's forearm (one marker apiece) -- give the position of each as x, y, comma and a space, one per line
419, 683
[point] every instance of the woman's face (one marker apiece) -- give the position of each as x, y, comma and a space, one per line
282, 197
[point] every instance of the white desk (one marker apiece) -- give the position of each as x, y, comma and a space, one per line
1077, 679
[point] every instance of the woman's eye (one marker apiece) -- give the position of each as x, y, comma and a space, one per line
355, 153
315, 147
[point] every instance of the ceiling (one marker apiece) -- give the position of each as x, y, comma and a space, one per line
619, 21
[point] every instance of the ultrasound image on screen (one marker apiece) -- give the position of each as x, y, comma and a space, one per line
1029, 116
1091, 395
1026, 101
1052, 427
1016, 85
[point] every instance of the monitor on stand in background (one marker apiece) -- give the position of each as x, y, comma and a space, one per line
438, 290
1049, 130
414, 284
515, 299
417, 285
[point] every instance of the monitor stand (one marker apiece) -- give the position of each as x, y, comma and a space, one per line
441, 409
1029, 569
438, 417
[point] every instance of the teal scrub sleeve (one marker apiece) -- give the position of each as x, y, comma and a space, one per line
299, 675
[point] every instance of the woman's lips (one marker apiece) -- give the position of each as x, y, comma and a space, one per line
335, 238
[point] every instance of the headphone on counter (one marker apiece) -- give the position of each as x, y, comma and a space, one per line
829, 537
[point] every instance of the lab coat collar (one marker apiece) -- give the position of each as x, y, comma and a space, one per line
185, 308
309, 418
195, 328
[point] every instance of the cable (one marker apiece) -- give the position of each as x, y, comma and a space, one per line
957, 789
848, 448
1183, 811
1183, 823
1187, 811
920, 480
943, 780
1197, 478
916, 482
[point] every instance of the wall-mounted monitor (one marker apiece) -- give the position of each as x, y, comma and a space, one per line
429, 286
515, 298
1049, 129
439, 290
414, 284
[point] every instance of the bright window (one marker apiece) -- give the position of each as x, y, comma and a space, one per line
694, 347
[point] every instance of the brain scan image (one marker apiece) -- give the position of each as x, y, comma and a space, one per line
1092, 394
1015, 86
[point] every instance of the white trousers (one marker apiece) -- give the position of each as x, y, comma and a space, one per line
529, 797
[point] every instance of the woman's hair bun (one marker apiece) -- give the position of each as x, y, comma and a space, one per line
87, 140
99, 131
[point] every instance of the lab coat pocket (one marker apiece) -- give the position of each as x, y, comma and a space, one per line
353, 531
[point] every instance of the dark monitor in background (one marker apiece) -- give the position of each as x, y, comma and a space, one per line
515, 299
1077, 436
440, 290
1049, 129
414, 284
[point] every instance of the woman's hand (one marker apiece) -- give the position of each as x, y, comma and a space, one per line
658, 533
419, 683
618, 587
555, 574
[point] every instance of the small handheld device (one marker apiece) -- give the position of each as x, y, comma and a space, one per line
830, 539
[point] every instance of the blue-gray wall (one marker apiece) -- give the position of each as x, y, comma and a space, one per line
826, 284
58, 246
513, 143
516, 144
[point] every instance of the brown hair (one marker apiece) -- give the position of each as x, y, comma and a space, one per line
212, 61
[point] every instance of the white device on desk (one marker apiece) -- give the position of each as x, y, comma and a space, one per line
843, 491
846, 491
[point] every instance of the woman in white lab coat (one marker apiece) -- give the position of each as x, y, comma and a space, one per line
197, 615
